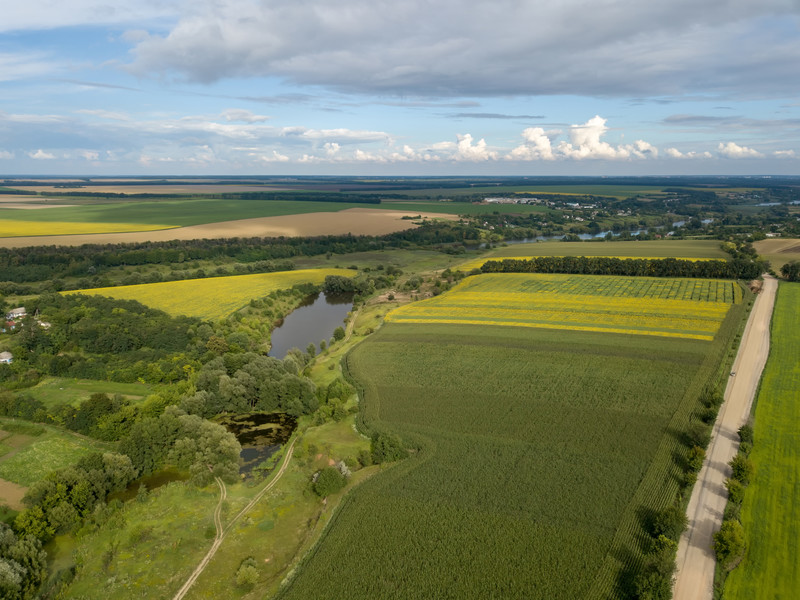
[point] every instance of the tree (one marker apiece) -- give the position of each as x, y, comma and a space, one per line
670, 523
791, 270
742, 469
729, 543
387, 448
207, 450
329, 481
654, 581
338, 334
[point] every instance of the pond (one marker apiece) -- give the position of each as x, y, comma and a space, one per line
151, 482
260, 434
314, 320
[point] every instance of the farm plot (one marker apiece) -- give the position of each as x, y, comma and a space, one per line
13, 228
691, 308
538, 453
771, 507
216, 297
39, 450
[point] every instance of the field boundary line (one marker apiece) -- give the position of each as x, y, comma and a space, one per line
223, 531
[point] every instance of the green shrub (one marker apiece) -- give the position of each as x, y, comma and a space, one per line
742, 468
329, 481
729, 543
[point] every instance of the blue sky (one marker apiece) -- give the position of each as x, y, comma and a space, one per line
237, 87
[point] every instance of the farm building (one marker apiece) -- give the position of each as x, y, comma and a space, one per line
16, 313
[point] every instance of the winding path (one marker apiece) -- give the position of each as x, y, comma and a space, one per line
222, 531
695, 561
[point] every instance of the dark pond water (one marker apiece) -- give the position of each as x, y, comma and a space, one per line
260, 434
151, 482
313, 321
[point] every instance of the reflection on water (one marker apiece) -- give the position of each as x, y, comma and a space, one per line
260, 434
314, 320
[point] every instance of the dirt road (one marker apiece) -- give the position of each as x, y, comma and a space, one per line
695, 576
223, 531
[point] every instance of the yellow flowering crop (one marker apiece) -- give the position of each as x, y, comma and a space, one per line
214, 297
691, 308
35, 228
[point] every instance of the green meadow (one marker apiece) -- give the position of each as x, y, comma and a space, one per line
771, 507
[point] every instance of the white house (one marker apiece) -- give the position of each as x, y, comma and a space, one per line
17, 313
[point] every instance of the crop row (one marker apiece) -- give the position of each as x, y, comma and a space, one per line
579, 302
533, 446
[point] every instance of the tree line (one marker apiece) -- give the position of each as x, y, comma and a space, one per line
90, 261
738, 268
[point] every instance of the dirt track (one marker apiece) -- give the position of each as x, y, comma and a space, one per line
223, 531
695, 576
358, 221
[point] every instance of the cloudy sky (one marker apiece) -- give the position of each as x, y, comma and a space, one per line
412, 87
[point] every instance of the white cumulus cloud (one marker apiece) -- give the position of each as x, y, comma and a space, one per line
465, 150
537, 146
734, 150
586, 143
41, 155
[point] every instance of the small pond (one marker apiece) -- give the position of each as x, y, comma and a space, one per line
151, 482
260, 434
313, 321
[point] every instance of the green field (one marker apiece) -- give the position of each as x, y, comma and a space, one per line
40, 454
464, 208
174, 212
614, 191
215, 297
637, 249
52, 391
771, 506
539, 452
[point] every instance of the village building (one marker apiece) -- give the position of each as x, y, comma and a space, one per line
16, 313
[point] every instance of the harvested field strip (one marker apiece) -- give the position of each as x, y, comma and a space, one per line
771, 508
36, 228
215, 297
645, 306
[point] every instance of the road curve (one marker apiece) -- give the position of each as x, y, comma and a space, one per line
695, 560
223, 531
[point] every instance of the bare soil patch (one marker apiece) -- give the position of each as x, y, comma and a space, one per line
11, 494
29, 206
358, 221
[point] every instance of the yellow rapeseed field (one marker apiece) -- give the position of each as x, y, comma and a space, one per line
477, 263
689, 308
36, 228
213, 297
